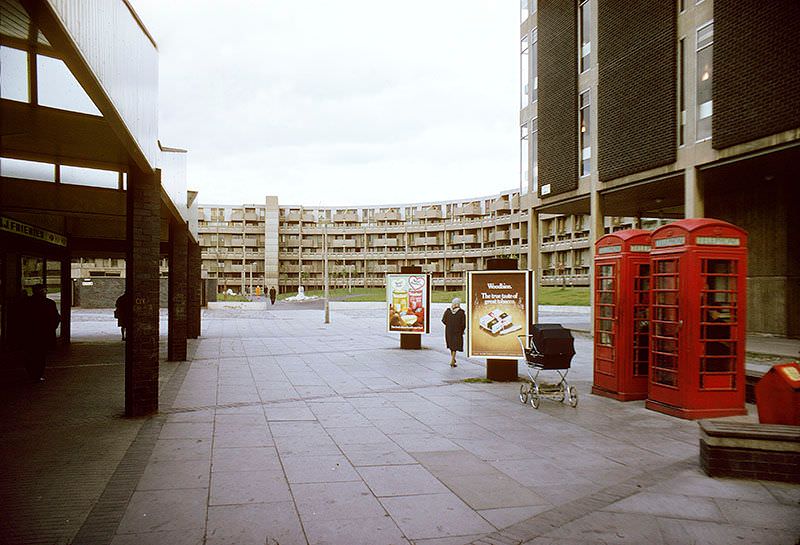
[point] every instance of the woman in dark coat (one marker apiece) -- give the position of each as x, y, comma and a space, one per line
42, 319
455, 322
121, 312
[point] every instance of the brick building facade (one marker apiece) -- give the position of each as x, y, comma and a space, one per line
684, 109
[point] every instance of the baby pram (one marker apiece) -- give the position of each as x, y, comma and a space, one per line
549, 347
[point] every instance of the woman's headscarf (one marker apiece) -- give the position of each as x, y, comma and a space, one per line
455, 304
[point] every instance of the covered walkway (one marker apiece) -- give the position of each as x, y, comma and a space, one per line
83, 174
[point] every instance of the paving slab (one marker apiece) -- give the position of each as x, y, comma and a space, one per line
282, 429
434, 515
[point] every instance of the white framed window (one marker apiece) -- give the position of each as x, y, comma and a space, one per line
534, 66
524, 70
682, 92
585, 133
524, 158
584, 34
705, 74
535, 155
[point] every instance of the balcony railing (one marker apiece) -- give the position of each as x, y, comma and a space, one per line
464, 239
345, 217
501, 205
342, 243
498, 236
391, 215
471, 209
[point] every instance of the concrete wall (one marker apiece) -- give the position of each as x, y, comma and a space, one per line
104, 291
773, 276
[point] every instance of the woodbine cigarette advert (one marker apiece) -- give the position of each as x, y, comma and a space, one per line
407, 300
497, 312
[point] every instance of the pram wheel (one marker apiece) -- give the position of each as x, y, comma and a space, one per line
573, 396
523, 393
561, 391
535, 400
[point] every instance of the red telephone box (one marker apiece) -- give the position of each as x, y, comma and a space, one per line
698, 275
621, 307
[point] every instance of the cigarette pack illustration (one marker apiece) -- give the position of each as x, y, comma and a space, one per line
498, 322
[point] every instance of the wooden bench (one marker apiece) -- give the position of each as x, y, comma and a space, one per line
767, 452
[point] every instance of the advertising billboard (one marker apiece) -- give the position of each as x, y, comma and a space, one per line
408, 303
498, 310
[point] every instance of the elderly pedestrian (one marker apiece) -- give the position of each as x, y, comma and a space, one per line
42, 319
455, 322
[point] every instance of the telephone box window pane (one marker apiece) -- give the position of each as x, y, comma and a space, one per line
668, 266
718, 323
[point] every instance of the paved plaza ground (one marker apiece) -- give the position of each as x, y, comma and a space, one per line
282, 430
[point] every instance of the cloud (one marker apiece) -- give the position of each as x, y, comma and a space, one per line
342, 102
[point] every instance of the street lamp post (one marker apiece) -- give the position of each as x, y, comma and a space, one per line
325, 271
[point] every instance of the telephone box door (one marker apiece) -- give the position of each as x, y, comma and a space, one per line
606, 325
666, 324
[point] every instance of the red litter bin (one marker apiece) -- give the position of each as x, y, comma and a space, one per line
778, 395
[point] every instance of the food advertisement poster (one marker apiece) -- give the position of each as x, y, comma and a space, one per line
408, 302
498, 310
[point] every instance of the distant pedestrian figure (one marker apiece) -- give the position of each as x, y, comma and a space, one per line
455, 322
42, 319
122, 312
272, 295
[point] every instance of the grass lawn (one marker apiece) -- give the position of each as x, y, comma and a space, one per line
226, 297
548, 295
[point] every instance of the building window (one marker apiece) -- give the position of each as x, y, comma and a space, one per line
14, 75
524, 9
585, 33
524, 74
534, 65
705, 46
586, 134
523, 158
535, 154
682, 92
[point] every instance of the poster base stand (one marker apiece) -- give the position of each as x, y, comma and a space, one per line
501, 370
410, 341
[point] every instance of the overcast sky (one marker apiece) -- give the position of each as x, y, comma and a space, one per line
340, 102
